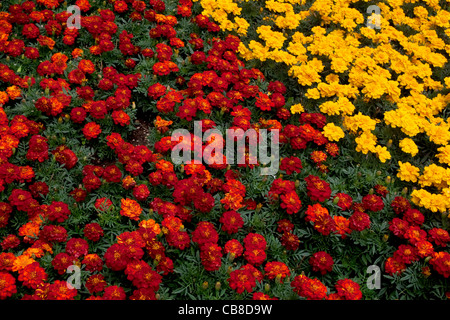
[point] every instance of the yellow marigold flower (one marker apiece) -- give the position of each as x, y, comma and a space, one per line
431, 201
359, 121
297, 108
382, 153
433, 175
444, 154
407, 172
241, 25
313, 93
366, 142
333, 132
273, 39
408, 146
447, 82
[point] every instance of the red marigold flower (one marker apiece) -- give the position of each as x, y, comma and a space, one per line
317, 189
204, 202
372, 202
406, 254
6, 261
415, 234
414, 217
342, 226
231, 221
91, 182
141, 192
321, 262
234, 248
205, 233
120, 117
263, 102
52, 233
93, 262
91, 130
255, 241
156, 90
291, 165
211, 256
359, 221
60, 291
78, 194
424, 248
58, 211
112, 173
400, 204
62, 261
7, 285
278, 270
33, 275
290, 241
116, 257
262, 296
325, 224
284, 225
344, 200
439, 236
114, 292
242, 280
255, 256
332, 149
393, 266
441, 263
37, 189
311, 289
96, 283
93, 231
77, 247
38, 148
398, 227
291, 202
348, 289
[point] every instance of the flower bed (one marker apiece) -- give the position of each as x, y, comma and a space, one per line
93, 205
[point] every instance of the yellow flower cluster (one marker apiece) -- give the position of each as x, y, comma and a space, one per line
341, 60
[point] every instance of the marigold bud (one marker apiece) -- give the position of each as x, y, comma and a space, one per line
267, 287
218, 285
336, 200
205, 285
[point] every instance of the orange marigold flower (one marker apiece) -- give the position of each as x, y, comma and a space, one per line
21, 262
77, 52
151, 225
130, 208
14, 92
164, 165
46, 41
